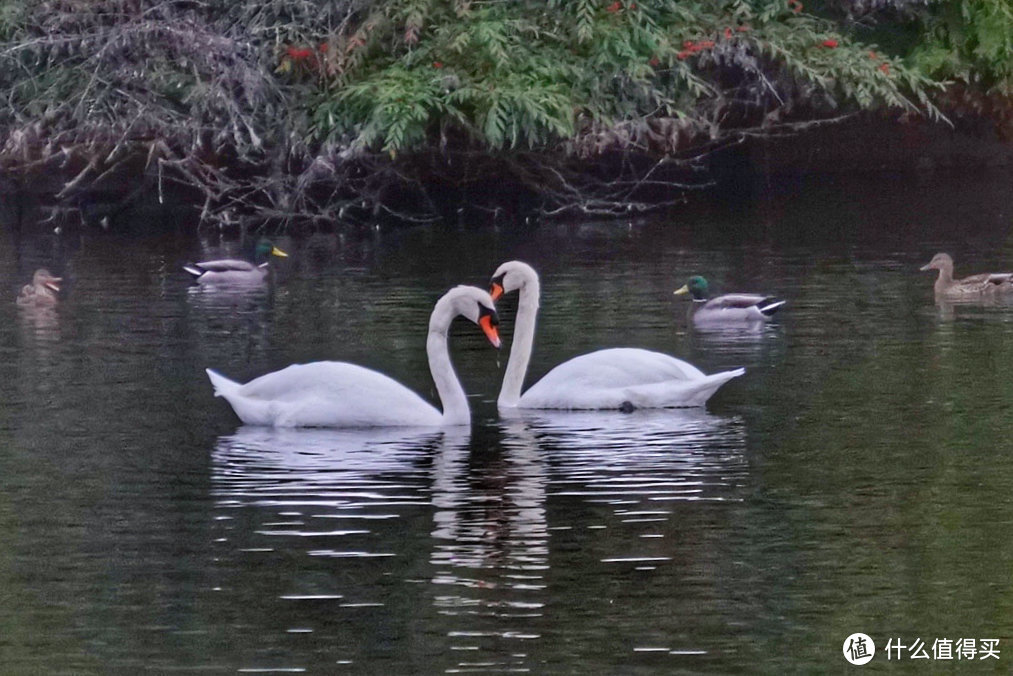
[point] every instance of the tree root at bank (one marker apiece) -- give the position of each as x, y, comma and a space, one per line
331, 190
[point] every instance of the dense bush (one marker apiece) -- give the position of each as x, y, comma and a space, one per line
306, 110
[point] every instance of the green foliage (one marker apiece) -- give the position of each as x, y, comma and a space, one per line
537, 74
970, 41
296, 92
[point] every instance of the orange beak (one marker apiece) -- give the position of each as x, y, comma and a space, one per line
53, 284
495, 290
491, 332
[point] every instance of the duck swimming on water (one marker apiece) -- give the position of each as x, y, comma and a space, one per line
729, 309
42, 291
975, 286
233, 271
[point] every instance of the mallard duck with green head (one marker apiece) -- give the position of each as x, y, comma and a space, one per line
975, 286
729, 309
234, 271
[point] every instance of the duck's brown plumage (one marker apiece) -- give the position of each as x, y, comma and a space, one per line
42, 291
975, 285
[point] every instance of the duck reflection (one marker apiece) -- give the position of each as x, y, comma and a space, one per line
948, 309
228, 299
742, 346
232, 321
37, 305
40, 323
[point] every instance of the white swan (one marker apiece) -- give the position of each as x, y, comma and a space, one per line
617, 378
337, 394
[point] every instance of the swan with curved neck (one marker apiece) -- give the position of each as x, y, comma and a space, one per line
616, 378
338, 394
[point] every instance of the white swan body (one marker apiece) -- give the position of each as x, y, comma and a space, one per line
616, 378
624, 377
338, 394
306, 395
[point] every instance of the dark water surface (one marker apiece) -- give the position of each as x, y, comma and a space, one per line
859, 477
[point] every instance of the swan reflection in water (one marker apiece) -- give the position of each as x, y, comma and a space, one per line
343, 468
651, 456
469, 514
372, 501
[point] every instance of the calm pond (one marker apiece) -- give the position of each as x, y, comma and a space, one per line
857, 478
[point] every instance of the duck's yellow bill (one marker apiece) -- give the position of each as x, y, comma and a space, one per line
278, 252
490, 330
681, 290
495, 290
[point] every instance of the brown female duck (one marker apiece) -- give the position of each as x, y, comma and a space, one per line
42, 291
969, 287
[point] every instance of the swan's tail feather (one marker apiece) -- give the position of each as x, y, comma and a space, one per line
697, 392
223, 386
676, 393
250, 410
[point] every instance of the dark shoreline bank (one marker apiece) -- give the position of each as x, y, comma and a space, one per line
863, 145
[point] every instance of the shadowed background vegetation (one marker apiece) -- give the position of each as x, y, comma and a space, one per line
313, 112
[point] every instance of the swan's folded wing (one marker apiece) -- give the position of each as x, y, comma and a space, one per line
226, 265
599, 380
331, 378
671, 393
322, 394
619, 367
679, 393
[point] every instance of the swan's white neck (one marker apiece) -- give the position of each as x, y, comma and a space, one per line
452, 397
523, 340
